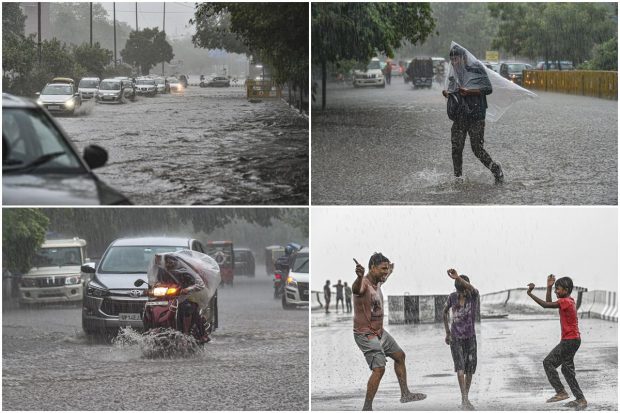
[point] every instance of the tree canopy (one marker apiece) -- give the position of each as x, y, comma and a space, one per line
23, 232
147, 47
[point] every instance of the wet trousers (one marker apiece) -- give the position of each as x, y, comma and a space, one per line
348, 301
475, 129
562, 355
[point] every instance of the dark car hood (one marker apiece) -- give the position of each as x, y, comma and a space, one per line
57, 189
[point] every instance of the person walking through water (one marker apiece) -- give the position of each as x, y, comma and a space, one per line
327, 293
564, 353
467, 104
339, 295
387, 72
461, 337
368, 333
347, 296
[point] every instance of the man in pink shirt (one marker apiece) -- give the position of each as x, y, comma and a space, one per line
368, 332
564, 353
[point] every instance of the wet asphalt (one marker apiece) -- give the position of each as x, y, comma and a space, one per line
210, 146
509, 375
258, 360
392, 146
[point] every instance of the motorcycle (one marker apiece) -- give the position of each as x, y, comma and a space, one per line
278, 283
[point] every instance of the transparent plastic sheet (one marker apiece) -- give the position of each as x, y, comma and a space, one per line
202, 269
477, 76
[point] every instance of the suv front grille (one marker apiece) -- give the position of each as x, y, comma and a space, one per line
49, 282
114, 307
303, 290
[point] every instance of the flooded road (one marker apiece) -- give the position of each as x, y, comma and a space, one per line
209, 146
258, 360
509, 375
392, 146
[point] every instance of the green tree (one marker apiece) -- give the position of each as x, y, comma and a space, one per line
605, 56
359, 31
214, 32
93, 59
146, 48
23, 232
13, 20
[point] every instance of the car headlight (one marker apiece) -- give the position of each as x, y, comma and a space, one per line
96, 292
39, 102
73, 280
69, 104
291, 281
28, 282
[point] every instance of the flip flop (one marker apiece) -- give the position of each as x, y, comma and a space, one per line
413, 397
558, 397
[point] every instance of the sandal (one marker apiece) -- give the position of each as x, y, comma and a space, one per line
558, 397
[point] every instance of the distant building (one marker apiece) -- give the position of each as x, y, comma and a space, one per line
31, 12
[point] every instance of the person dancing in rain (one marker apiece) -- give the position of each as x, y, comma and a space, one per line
468, 86
375, 342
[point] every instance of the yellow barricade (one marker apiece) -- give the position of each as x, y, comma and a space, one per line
262, 89
594, 83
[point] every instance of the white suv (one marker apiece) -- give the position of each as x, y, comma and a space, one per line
372, 76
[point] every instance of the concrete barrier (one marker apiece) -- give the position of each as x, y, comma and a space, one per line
599, 304
497, 299
417, 309
316, 302
516, 300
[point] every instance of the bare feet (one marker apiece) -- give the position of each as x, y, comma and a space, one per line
558, 397
578, 404
466, 405
367, 406
412, 397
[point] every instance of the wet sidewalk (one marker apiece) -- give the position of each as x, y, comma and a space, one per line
509, 376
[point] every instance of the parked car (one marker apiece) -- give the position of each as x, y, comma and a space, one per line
111, 300
40, 165
513, 71
60, 97
175, 85
296, 288
146, 86
372, 76
88, 87
556, 65
219, 81
244, 262
55, 273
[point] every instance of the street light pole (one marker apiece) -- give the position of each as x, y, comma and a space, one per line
136, 16
114, 12
91, 24
39, 29
164, 30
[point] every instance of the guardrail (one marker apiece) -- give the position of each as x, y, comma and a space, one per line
262, 89
315, 300
516, 300
599, 304
594, 83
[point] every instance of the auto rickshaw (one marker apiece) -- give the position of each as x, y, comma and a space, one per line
272, 253
222, 252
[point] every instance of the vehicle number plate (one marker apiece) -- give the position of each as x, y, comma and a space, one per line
53, 107
126, 317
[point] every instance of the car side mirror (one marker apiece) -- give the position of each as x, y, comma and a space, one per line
95, 156
139, 283
38, 93
88, 268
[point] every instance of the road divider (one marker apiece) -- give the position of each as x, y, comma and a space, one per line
599, 304
417, 309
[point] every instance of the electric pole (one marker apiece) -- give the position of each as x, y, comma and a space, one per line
39, 29
91, 24
164, 30
114, 18
136, 16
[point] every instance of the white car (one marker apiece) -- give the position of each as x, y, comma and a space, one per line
59, 98
175, 85
146, 86
372, 76
88, 87
160, 82
297, 287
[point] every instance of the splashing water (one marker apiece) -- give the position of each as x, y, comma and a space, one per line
157, 343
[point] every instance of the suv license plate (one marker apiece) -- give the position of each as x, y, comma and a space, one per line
53, 107
126, 317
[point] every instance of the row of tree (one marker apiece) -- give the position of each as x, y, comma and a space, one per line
24, 229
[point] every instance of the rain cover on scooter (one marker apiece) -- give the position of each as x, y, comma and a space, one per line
201, 270
474, 75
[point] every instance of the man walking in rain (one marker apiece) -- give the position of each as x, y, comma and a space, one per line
467, 104
368, 332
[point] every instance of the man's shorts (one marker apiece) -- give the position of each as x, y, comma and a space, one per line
464, 354
376, 349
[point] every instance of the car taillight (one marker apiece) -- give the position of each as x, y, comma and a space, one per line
278, 276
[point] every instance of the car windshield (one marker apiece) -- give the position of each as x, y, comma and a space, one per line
301, 264
89, 83
57, 257
57, 90
110, 85
160, 81
374, 64
173, 80
145, 82
131, 259
516, 68
34, 145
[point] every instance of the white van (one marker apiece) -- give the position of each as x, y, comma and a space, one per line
55, 275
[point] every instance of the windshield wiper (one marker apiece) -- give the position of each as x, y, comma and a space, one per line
40, 161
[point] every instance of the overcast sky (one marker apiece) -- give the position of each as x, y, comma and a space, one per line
151, 15
497, 247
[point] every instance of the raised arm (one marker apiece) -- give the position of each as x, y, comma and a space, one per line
357, 284
543, 304
455, 276
550, 282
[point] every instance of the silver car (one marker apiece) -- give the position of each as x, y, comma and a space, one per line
59, 98
88, 87
111, 300
146, 86
161, 85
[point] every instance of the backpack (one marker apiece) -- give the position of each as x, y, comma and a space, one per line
457, 107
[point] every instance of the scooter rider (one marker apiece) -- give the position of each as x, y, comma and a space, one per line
191, 283
283, 263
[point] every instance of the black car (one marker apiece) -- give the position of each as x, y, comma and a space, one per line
513, 71
40, 165
244, 262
